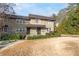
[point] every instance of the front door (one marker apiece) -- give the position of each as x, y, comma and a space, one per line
38, 30
28, 30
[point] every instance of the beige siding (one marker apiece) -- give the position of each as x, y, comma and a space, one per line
33, 32
34, 21
10, 23
43, 31
48, 24
21, 24
41, 22
1, 24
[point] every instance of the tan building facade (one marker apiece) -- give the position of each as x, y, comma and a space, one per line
27, 25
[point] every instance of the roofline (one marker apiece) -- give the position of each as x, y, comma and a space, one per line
13, 16
27, 17
41, 17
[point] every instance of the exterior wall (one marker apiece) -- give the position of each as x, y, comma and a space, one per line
33, 32
43, 31
20, 26
11, 25
16, 24
49, 24
1, 24
35, 21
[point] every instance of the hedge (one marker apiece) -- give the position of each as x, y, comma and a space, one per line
48, 35
11, 37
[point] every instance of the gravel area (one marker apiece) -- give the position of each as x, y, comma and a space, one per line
58, 46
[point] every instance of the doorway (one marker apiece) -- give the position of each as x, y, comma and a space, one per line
38, 30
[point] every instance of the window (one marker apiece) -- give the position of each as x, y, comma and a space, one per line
20, 29
27, 22
17, 21
37, 20
20, 21
48, 29
23, 21
5, 28
17, 29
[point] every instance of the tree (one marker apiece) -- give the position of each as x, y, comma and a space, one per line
55, 18
7, 8
70, 25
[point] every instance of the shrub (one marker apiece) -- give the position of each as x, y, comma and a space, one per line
48, 35
4, 37
53, 34
14, 36
56, 34
36, 37
11, 36
22, 37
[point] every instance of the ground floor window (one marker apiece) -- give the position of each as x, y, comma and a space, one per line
48, 29
5, 28
20, 29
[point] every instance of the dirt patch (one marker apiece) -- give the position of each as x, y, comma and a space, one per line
48, 47
67, 48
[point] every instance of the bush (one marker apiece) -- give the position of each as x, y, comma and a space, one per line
48, 35
11, 37
4, 37
22, 37
14, 36
36, 37
56, 34
53, 34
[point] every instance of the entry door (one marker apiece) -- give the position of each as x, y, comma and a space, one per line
28, 30
38, 30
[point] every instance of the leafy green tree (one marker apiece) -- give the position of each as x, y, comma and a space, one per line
70, 25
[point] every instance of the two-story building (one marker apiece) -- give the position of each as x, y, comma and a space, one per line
26, 25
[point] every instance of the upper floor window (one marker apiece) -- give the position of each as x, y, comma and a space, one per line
37, 20
20, 21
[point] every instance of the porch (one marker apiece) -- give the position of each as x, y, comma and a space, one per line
35, 30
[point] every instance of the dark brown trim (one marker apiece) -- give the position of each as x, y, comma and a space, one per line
35, 26
9, 16
40, 17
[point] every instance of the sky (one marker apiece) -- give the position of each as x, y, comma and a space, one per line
45, 9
